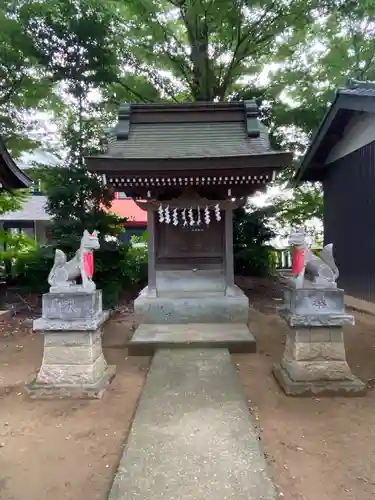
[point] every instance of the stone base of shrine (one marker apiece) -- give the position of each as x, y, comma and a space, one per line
192, 307
148, 337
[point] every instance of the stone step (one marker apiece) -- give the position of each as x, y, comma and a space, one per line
192, 294
148, 337
192, 437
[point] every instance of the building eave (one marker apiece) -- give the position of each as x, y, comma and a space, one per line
348, 100
11, 177
105, 164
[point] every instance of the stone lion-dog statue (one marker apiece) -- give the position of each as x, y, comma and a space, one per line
63, 275
316, 271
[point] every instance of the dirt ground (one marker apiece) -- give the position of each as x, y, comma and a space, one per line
318, 449
63, 449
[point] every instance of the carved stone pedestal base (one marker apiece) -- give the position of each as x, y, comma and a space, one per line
314, 361
73, 363
302, 387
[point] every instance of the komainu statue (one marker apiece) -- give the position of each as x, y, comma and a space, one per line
308, 269
63, 275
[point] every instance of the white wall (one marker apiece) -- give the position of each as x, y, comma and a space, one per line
359, 132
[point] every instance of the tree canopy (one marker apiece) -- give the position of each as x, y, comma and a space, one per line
67, 58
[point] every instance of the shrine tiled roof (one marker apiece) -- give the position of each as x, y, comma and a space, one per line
188, 130
190, 140
168, 146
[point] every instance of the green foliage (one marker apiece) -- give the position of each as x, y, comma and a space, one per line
252, 257
117, 267
14, 245
298, 207
11, 201
80, 60
47, 48
138, 272
24, 85
73, 40
207, 47
139, 240
317, 59
77, 201
31, 269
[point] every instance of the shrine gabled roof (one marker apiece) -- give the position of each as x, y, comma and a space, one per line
184, 131
11, 177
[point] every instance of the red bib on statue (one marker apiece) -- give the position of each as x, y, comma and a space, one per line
88, 264
298, 261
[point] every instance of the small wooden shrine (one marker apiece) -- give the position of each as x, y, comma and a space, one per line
189, 165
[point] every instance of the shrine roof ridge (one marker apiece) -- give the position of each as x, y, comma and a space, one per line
186, 112
175, 107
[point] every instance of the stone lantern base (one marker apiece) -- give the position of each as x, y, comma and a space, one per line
314, 360
73, 364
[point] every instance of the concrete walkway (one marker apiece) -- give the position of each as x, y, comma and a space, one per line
192, 437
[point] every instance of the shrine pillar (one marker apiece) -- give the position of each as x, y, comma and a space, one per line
151, 252
229, 263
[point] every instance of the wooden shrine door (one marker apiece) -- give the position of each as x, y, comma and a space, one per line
200, 247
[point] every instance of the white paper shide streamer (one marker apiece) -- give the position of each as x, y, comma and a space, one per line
207, 218
199, 220
161, 213
175, 217
186, 216
184, 221
191, 217
217, 212
167, 215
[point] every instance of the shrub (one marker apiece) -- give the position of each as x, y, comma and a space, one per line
31, 269
254, 261
252, 256
138, 271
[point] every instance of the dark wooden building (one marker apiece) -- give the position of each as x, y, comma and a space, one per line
342, 157
11, 177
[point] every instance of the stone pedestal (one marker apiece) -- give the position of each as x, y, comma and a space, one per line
314, 360
73, 364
